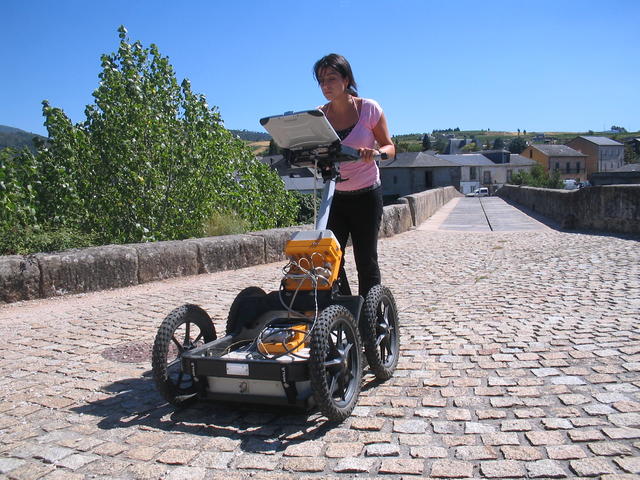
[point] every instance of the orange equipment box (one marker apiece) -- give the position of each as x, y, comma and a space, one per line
283, 339
316, 251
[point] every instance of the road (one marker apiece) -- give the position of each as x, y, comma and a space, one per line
520, 359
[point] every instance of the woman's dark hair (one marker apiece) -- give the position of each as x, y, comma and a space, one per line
340, 65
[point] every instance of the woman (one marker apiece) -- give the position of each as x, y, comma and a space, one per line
357, 204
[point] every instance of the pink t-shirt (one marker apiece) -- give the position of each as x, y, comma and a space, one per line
361, 174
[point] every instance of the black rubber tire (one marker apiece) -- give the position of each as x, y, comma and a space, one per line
335, 362
233, 320
380, 329
175, 336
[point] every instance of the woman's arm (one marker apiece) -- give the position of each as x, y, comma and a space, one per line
385, 145
381, 132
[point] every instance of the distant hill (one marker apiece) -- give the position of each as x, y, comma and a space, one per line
250, 136
16, 138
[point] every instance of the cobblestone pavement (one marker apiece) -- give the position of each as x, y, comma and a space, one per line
520, 359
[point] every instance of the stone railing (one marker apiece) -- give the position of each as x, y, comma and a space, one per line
112, 266
423, 205
611, 208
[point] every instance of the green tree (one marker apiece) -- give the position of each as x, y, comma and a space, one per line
18, 204
631, 153
441, 143
537, 177
517, 145
498, 143
152, 161
470, 147
426, 142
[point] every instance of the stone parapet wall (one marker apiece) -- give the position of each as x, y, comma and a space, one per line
424, 204
611, 208
113, 266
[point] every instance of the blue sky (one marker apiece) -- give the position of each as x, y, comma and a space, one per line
561, 65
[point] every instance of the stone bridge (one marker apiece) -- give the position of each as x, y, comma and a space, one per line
520, 359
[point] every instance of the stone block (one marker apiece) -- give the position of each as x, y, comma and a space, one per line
160, 260
228, 252
19, 278
395, 219
88, 269
275, 240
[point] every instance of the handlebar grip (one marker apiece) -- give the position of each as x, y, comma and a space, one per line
353, 153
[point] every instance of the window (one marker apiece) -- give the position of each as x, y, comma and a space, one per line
395, 180
473, 173
577, 167
558, 166
509, 175
568, 166
486, 177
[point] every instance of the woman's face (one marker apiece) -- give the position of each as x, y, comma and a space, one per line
332, 83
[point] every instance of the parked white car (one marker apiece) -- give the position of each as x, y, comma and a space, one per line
479, 192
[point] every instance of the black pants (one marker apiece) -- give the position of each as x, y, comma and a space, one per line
358, 215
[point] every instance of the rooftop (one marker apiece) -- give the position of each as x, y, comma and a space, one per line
519, 160
600, 140
558, 151
417, 159
468, 159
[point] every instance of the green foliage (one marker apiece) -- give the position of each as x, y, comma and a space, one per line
426, 142
537, 177
20, 240
19, 181
152, 161
441, 143
470, 147
408, 147
632, 152
498, 143
225, 224
518, 144
307, 207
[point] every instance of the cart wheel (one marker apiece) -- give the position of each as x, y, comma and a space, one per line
380, 332
183, 329
233, 320
335, 362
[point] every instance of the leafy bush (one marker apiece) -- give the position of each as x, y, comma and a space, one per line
18, 178
537, 177
152, 161
20, 240
306, 207
470, 147
517, 145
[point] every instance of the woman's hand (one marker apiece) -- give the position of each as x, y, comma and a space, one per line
368, 154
